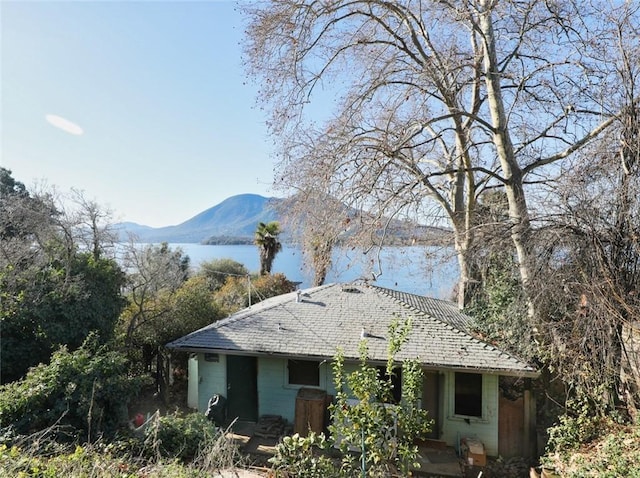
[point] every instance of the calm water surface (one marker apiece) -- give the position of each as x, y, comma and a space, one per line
402, 268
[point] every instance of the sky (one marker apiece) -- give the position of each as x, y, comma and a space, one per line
142, 105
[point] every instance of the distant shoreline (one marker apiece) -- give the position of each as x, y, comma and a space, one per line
435, 240
228, 241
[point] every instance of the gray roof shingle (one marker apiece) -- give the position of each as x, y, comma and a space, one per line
314, 322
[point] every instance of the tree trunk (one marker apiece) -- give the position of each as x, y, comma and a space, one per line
511, 171
164, 374
465, 281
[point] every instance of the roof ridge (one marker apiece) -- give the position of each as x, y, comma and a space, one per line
388, 293
391, 294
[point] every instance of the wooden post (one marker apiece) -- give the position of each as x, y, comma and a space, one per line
529, 414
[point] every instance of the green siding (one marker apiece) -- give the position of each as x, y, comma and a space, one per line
192, 391
212, 378
484, 429
273, 397
276, 397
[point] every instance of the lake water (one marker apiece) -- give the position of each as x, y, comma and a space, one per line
401, 268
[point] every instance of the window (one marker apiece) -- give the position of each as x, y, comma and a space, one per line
303, 372
468, 394
396, 381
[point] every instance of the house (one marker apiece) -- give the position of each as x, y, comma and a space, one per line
261, 358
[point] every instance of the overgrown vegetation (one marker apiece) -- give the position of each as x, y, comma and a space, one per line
84, 393
308, 457
498, 309
374, 432
176, 436
172, 447
613, 454
83, 336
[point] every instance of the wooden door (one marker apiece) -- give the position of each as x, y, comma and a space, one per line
510, 427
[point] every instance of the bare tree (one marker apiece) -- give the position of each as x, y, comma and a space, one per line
434, 103
27, 222
152, 270
592, 260
318, 221
93, 224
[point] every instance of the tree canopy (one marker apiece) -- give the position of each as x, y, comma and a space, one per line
514, 123
53, 292
436, 103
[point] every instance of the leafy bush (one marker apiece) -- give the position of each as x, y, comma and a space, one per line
303, 457
382, 430
216, 271
54, 302
179, 436
582, 422
613, 455
86, 390
234, 294
590, 442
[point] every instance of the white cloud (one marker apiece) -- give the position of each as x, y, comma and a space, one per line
64, 124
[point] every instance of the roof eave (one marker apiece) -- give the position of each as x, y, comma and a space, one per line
491, 371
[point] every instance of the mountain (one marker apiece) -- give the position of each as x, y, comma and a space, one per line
235, 220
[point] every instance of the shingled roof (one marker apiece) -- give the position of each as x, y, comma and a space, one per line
313, 323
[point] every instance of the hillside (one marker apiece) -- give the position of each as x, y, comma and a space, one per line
234, 218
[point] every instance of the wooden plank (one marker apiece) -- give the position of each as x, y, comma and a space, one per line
511, 427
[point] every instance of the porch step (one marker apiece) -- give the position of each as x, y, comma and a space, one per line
439, 462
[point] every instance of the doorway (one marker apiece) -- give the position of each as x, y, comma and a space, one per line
242, 388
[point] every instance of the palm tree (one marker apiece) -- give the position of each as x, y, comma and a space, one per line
266, 238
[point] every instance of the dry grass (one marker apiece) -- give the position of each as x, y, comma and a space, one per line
40, 455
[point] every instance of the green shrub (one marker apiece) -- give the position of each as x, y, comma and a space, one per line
85, 392
179, 436
303, 457
383, 430
615, 454
582, 422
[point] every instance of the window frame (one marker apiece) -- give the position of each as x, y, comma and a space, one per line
454, 394
308, 363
